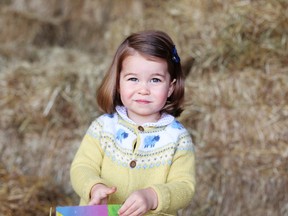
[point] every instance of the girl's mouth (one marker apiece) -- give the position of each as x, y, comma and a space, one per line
142, 101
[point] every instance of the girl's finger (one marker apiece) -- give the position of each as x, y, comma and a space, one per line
94, 202
124, 210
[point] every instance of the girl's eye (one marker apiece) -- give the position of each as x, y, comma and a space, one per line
155, 80
133, 79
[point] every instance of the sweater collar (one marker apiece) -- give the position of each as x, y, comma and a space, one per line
164, 120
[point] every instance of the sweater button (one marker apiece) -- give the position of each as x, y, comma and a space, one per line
133, 163
140, 128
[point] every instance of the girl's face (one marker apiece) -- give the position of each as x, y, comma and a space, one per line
144, 87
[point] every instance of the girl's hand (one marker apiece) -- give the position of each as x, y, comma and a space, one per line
139, 203
100, 193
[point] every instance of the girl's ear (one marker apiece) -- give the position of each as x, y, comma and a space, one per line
171, 87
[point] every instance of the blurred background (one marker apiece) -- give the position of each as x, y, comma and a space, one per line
53, 54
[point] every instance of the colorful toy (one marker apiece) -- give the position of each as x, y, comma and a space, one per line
96, 210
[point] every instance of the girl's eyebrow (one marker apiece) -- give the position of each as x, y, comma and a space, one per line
158, 74
129, 74
152, 75
126, 73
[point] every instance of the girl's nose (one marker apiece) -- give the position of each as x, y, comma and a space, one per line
144, 89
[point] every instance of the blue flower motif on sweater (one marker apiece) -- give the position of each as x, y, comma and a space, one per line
150, 141
177, 125
121, 134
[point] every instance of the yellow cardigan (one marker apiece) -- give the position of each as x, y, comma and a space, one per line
117, 152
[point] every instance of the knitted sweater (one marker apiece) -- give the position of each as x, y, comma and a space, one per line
117, 152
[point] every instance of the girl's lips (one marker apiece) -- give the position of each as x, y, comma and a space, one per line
142, 101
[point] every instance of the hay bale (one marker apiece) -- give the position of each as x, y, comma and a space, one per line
235, 56
237, 35
239, 124
46, 107
29, 195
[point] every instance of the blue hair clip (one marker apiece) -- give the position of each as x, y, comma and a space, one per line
175, 56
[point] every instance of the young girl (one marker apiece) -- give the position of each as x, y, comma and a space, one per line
137, 154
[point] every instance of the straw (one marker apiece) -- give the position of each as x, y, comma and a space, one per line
54, 54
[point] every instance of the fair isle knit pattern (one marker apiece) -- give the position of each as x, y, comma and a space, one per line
117, 152
119, 135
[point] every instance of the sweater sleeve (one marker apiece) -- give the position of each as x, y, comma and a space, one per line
85, 168
178, 192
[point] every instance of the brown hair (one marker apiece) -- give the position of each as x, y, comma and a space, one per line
151, 43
